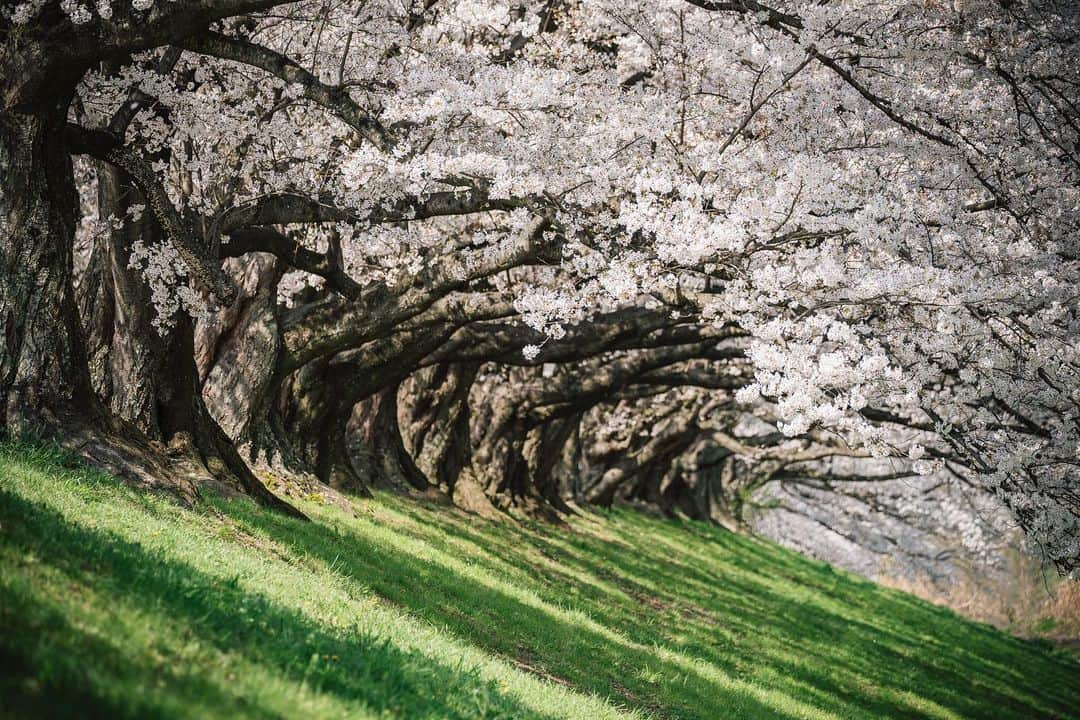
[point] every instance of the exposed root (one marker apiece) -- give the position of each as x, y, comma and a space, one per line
181, 468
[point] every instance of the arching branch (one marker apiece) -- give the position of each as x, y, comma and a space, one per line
334, 98
202, 266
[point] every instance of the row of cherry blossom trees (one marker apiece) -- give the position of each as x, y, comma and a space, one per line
532, 255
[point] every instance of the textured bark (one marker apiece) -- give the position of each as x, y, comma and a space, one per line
117, 311
97, 308
318, 403
498, 476
570, 468
313, 411
148, 376
236, 353
299, 410
678, 470
45, 387
672, 439
377, 450
434, 415
551, 457
666, 483
188, 427
725, 483
44, 383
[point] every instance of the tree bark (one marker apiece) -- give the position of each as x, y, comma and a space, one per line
551, 457
44, 383
498, 476
188, 428
674, 437
117, 309
378, 452
45, 388
236, 353
147, 375
434, 414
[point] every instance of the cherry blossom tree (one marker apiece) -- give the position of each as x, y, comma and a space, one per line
855, 221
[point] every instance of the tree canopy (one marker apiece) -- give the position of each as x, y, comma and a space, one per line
525, 252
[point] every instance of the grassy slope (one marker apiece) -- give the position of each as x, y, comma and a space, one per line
117, 604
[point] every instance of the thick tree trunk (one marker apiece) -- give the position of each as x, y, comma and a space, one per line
499, 476
309, 420
306, 410
376, 448
338, 411
96, 298
236, 353
45, 388
117, 311
44, 383
571, 467
727, 483
340, 422
551, 460
192, 435
434, 416
148, 375
657, 452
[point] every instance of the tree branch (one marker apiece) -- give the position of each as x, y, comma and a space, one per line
295, 254
334, 98
203, 268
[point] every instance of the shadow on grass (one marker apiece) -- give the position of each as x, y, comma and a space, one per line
885, 656
869, 637
677, 619
43, 671
368, 673
535, 635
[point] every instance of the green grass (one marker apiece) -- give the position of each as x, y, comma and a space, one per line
117, 604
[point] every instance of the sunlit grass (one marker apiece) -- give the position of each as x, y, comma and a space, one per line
118, 604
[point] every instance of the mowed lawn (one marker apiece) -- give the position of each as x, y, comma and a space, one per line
117, 604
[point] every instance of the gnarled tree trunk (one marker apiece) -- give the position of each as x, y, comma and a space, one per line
434, 417
376, 448
499, 476
44, 383
147, 375
45, 387
552, 459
